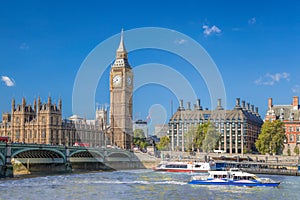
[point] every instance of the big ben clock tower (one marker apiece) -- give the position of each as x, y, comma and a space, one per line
121, 85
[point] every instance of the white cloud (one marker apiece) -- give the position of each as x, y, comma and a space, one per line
180, 41
296, 89
210, 30
252, 20
236, 29
24, 46
271, 79
8, 81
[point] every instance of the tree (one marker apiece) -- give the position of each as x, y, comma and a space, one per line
211, 139
296, 150
164, 143
139, 138
190, 135
200, 135
271, 138
138, 133
289, 152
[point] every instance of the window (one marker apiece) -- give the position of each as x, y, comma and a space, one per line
291, 138
298, 137
206, 116
43, 134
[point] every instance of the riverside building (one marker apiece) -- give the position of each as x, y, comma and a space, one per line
42, 123
239, 127
290, 115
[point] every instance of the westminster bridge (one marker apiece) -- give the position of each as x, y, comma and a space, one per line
38, 158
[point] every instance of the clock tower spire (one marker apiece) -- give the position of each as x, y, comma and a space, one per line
121, 75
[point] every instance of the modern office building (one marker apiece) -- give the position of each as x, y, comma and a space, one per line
239, 127
289, 114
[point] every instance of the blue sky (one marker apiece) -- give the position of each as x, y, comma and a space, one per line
254, 44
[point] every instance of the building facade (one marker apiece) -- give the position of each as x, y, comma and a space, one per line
239, 127
290, 115
161, 130
140, 124
42, 123
121, 86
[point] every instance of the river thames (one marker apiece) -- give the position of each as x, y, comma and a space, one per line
137, 184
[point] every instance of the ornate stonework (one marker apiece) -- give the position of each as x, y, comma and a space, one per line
121, 85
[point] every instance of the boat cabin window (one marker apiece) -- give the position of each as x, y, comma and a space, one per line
176, 166
197, 165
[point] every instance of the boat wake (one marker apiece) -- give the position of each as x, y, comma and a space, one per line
132, 182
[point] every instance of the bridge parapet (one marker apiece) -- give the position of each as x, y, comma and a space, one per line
34, 154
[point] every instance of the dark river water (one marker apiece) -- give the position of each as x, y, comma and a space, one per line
138, 184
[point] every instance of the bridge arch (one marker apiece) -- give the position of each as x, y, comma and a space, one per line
82, 152
35, 151
119, 155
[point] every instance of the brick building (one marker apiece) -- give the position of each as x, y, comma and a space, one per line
290, 116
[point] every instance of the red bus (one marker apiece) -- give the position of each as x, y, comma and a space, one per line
4, 139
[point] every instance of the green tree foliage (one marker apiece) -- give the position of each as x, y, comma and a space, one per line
271, 138
190, 135
211, 139
164, 143
206, 137
289, 152
200, 133
138, 133
139, 138
296, 150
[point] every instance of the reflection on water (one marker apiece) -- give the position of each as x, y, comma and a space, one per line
137, 184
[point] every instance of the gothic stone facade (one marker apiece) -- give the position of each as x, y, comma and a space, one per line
42, 123
290, 116
121, 86
239, 128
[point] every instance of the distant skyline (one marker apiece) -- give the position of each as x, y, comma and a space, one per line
254, 44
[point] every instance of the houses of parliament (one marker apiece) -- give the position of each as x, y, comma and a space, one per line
42, 123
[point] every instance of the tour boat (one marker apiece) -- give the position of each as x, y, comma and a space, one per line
233, 177
182, 166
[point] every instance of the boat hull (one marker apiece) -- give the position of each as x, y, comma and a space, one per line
180, 170
234, 183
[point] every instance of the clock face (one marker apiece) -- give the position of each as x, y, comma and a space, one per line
117, 80
128, 80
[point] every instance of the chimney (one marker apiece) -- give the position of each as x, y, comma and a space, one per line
248, 106
243, 105
270, 103
256, 110
237, 104
188, 105
198, 106
237, 101
295, 102
219, 107
252, 108
181, 105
